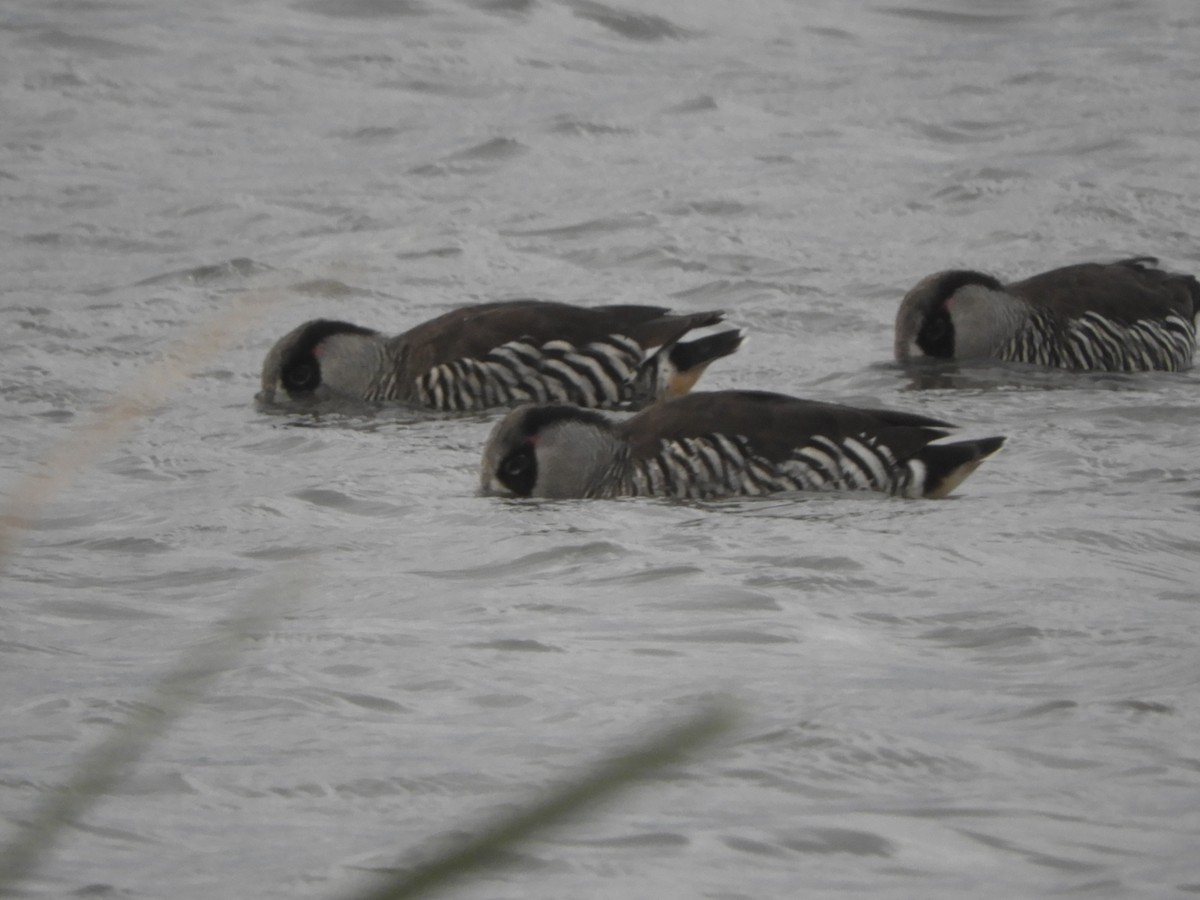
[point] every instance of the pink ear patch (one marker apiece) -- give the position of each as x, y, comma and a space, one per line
949, 304
533, 439
319, 350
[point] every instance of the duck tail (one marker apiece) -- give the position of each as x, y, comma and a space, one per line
948, 465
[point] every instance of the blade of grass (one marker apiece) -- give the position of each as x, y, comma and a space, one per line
140, 398
611, 775
102, 767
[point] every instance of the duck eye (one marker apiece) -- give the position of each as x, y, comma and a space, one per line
302, 375
936, 337
518, 471
517, 464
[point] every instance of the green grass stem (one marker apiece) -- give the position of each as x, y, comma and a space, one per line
611, 775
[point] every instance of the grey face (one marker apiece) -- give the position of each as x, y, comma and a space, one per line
304, 361
552, 451
927, 324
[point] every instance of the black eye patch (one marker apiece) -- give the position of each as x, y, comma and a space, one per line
300, 371
301, 376
936, 337
518, 470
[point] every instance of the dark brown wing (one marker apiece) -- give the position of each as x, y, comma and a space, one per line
774, 424
1124, 291
473, 331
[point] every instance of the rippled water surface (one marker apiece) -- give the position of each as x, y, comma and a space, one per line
994, 695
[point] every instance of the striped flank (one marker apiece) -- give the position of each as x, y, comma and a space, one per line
597, 375
1095, 342
718, 465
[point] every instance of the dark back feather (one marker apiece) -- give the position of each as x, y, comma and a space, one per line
1123, 291
472, 332
774, 424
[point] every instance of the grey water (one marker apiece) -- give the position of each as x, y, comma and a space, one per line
991, 696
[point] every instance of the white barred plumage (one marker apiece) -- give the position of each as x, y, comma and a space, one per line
723, 443
1094, 342
598, 375
501, 354
1127, 316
